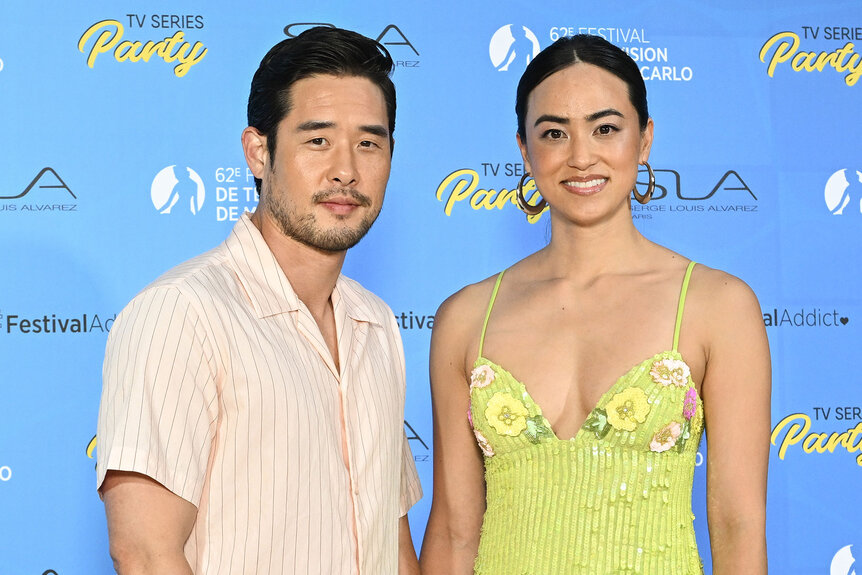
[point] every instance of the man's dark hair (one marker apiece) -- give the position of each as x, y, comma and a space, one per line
570, 50
322, 50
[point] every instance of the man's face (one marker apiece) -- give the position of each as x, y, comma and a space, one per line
325, 185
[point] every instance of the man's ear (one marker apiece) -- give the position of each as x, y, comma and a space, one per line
255, 151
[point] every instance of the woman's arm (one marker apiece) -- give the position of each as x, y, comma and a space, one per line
736, 397
458, 504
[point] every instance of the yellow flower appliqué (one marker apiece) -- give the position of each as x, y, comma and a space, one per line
628, 408
670, 372
506, 415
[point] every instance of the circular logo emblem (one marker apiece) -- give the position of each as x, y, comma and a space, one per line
511, 44
843, 563
841, 189
167, 189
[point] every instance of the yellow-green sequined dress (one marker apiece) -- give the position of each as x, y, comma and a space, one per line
615, 499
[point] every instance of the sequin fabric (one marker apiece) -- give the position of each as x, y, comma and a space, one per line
613, 500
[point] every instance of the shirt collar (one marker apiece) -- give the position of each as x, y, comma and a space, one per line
269, 290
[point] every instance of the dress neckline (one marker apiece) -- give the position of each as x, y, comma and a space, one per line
603, 399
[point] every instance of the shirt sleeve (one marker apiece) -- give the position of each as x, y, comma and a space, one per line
411, 488
159, 405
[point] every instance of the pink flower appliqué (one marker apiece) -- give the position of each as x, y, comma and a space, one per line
470, 416
483, 443
689, 405
482, 376
670, 372
666, 437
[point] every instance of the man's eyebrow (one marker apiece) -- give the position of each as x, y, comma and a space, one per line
551, 118
376, 130
312, 125
603, 113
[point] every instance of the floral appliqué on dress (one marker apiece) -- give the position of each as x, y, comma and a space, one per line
484, 445
670, 371
675, 433
481, 376
506, 415
627, 409
666, 437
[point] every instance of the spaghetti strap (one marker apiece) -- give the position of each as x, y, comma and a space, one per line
488, 313
681, 305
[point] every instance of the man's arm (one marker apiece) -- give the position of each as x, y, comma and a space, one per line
148, 525
408, 563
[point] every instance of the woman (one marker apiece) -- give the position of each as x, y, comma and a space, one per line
557, 466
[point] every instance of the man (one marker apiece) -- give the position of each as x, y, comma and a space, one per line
252, 410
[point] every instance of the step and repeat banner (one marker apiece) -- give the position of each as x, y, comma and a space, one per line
120, 135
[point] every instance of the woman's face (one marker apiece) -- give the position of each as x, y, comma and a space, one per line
584, 142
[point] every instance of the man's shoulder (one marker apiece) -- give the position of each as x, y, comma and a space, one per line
194, 277
364, 298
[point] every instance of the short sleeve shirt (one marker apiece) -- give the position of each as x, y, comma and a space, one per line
218, 384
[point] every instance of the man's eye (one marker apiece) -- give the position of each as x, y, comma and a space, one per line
317, 141
368, 144
607, 129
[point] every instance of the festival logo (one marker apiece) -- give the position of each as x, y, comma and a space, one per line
47, 186
798, 431
167, 190
844, 190
789, 49
713, 194
512, 44
654, 61
403, 51
107, 37
5, 473
843, 563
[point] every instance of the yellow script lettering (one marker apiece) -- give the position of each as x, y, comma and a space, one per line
463, 185
786, 45
794, 435
799, 426
170, 49
104, 42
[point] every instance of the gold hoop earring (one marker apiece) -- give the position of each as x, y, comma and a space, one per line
644, 198
525, 206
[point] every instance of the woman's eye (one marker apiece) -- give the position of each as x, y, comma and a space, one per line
554, 134
606, 129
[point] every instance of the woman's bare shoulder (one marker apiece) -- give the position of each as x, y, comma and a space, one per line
722, 298
462, 310
458, 326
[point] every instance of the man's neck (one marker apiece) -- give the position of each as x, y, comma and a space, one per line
311, 272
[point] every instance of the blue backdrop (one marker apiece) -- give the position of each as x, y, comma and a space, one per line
110, 112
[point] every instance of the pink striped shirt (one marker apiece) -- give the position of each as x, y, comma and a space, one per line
218, 384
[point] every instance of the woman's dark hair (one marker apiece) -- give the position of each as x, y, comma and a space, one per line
588, 49
322, 50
